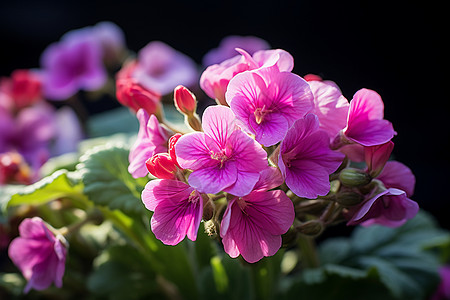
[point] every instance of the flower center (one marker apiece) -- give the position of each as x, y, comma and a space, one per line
193, 198
219, 156
260, 113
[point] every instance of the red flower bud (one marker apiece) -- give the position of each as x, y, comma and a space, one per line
377, 156
185, 100
172, 141
14, 169
312, 77
24, 87
133, 95
161, 166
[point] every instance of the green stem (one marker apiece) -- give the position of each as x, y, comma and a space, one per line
308, 253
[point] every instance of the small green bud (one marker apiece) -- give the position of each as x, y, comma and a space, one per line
349, 198
311, 228
354, 177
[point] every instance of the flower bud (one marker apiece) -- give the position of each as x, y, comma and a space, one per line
354, 177
377, 156
24, 87
208, 208
172, 141
14, 169
131, 94
349, 198
161, 166
311, 228
185, 100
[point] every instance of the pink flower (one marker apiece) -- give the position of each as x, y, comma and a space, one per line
222, 157
305, 158
215, 78
24, 88
161, 68
329, 106
225, 51
390, 205
252, 225
152, 138
177, 208
268, 102
39, 254
365, 123
133, 95
74, 63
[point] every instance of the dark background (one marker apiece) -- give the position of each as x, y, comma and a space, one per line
394, 48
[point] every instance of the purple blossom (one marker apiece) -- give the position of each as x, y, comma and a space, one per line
152, 138
225, 51
389, 204
29, 132
177, 208
214, 80
443, 290
365, 123
252, 225
305, 158
268, 102
74, 63
161, 68
223, 157
39, 254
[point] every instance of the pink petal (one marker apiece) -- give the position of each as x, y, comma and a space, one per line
159, 190
244, 184
307, 179
214, 179
283, 59
269, 178
397, 175
193, 151
218, 122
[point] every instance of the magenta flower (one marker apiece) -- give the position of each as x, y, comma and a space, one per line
152, 138
225, 51
252, 225
161, 68
305, 158
222, 157
365, 123
214, 80
390, 205
268, 102
330, 106
74, 63
39, 254
376, 157
177, 208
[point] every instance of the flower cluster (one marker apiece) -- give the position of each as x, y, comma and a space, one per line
275, 154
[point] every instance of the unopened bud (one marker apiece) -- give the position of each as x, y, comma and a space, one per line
133, 95
377, 156
184, 100
14, 169
311, 228
289, 238
208, 208
172, 141
161, 166
349, 198
194, 122
354, 177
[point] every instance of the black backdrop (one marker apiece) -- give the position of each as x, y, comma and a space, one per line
394, 48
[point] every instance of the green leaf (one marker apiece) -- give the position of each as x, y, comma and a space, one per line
400, 256
61, 184
104, 172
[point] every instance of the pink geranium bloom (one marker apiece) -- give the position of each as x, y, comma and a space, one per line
215, 78
152, 138
305, 158
268, 102
74, 63
365, 123
223, 157
390, 207
330, 106
177, 208
39, 254
227, 46
161, 68
252, 225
